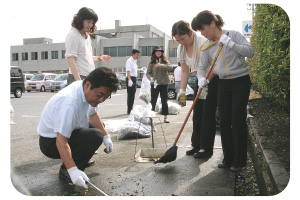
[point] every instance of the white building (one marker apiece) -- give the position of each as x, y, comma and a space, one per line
38, 55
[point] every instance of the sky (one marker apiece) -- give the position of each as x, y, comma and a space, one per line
33, 19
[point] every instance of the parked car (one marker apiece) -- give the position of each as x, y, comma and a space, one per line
172, 91
59, 82
139, 82
40, 82
122, 80
192, 80
17, 85
27, 78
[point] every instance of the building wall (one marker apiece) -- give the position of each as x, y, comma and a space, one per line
40, 65
135, 37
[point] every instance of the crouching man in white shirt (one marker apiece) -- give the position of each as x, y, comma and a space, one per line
64, 125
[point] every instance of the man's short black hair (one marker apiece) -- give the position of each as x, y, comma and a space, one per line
103, 76
134, 51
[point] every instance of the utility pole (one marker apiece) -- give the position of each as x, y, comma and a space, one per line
251, 7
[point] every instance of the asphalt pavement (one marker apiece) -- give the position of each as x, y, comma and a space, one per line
117, 174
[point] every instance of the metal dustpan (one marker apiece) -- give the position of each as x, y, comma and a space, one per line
150, 154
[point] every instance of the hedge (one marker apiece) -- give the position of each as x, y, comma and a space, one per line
270, 67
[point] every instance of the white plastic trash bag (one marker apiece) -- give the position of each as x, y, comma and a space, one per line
142, 114
145, 91
113, 126
133, 130
158, 105
189, 90
173, 108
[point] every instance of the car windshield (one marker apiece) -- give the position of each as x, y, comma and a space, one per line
61, 77
192, 79
37, 77
121, 76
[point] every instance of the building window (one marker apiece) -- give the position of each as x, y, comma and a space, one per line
143, 51
54, 54
34, 55
113, 51
118, 51
106, 50
15, 57
128, 51
121, 51
63, 52
173, 52
25, 56
44, 55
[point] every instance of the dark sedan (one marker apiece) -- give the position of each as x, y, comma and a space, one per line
172, 91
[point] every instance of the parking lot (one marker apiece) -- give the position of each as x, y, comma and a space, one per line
117, 173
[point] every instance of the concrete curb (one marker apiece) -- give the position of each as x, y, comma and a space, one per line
276, 173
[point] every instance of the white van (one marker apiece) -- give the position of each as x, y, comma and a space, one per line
27, 78
40, 82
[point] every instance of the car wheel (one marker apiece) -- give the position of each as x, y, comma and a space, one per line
18, 93
52, 90
28, 90
42, 88
171, 94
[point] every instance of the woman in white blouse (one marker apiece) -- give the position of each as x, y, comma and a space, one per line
78, 45
204, 124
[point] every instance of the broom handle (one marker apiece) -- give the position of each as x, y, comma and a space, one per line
196, 98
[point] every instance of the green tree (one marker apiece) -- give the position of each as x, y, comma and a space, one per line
270, 67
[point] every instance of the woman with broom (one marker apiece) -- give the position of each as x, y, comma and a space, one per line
204, 124
234, 84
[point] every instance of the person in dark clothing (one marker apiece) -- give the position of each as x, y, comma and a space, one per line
234, 84
131, 72
157, 73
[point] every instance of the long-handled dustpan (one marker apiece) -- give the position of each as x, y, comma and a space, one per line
97, 189
171, 154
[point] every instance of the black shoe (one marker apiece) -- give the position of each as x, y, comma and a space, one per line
205, 154
235, 169
223, 166
64, 175
192, 151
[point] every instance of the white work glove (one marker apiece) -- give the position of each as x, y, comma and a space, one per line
130, 83
155, 84
78, 177
108, 143
226, 41
203, 82
144, 69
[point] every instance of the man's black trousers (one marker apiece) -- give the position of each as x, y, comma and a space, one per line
83, 144
130, 94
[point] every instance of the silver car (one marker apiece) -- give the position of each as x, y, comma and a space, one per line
40, 82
